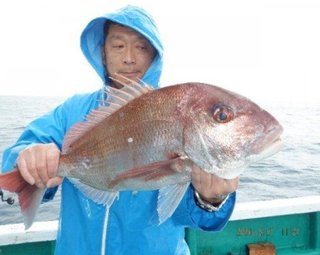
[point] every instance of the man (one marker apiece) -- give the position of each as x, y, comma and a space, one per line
124, 43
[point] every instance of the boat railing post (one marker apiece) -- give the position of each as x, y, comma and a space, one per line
315, 230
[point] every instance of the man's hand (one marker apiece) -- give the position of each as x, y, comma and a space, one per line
38, 165
211, 187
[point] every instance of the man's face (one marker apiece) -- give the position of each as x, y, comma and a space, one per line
126, 53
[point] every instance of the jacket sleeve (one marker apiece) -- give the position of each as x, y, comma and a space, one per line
50, 128
189, 214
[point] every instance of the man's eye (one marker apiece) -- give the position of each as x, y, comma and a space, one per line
117, 46
142, 47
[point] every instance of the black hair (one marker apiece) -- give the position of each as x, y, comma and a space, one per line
106, 28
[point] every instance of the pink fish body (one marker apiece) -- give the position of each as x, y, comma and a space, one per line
149, 139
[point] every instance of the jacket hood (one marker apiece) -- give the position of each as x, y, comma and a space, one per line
92, 40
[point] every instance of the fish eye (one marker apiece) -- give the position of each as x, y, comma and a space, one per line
222, 114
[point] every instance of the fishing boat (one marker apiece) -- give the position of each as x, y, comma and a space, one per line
282, 226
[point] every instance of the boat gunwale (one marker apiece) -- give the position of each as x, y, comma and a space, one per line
41, 231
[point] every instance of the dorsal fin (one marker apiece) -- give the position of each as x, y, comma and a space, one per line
116, 99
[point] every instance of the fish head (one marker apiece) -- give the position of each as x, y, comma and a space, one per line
225, 132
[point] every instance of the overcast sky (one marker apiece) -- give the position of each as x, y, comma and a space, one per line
261, 49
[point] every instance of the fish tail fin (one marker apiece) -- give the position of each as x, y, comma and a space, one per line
29, 195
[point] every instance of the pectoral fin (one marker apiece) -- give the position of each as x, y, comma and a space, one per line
152, 171
169, 198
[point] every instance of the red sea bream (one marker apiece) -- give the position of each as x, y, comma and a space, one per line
144, 139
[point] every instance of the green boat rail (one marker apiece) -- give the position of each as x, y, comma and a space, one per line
283, 227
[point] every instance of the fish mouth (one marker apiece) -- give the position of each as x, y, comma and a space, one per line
269, 144
273, 148
270, 138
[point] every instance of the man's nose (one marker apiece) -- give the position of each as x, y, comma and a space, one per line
129, 57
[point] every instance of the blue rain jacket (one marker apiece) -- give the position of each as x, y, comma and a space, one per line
82, 228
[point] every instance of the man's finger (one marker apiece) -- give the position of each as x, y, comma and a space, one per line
23, 169
53, 182
233, 184
41, 165
195, 174
52, 162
